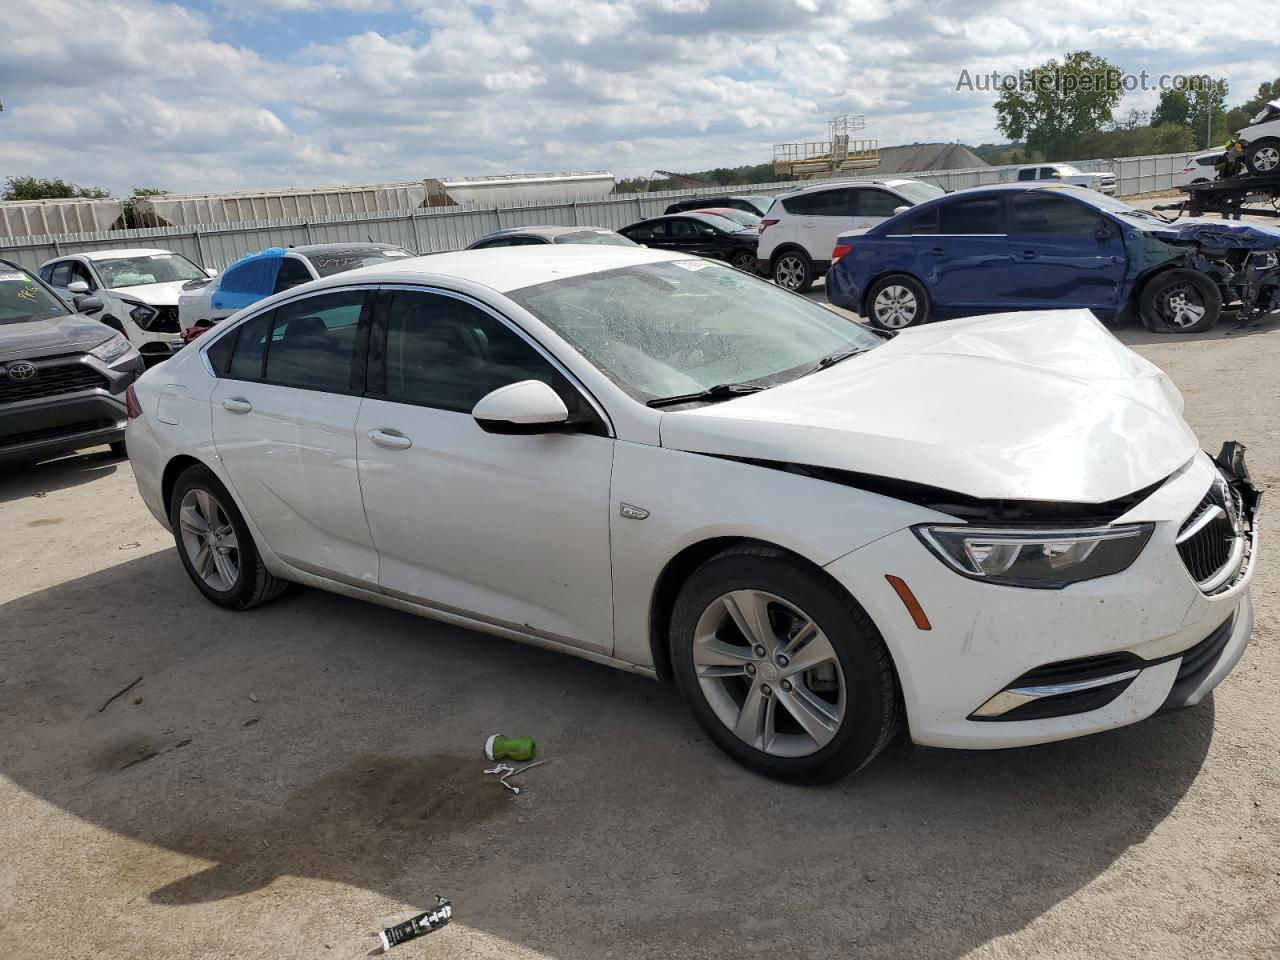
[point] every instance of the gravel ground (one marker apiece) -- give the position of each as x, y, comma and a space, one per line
283, 783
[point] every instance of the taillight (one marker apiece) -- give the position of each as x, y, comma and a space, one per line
766, 224
131, 405
840, 250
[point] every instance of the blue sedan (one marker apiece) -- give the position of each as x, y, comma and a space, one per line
1024, 247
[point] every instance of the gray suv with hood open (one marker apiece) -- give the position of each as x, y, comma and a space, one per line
62, 375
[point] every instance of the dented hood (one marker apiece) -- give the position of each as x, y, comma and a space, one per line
1039, 405
69, 333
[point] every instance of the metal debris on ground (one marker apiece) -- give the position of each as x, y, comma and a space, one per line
418, 926
504, 770
117, 695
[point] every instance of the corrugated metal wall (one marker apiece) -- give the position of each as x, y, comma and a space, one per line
435, 229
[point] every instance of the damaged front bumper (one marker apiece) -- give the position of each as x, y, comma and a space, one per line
1004, 666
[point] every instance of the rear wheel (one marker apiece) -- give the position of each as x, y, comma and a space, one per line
744, 260
784, 671
793, 270
896, 302
1180, 301
1263, 157
215, 544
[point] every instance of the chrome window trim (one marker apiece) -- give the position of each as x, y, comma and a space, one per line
522, 334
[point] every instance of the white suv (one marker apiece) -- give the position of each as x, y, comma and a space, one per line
799, 231
138, 288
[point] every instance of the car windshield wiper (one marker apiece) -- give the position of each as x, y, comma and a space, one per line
721, 391
832, 359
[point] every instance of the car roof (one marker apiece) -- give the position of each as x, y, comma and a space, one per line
310, 248
505, 268
542, 230
828, 184
113, 254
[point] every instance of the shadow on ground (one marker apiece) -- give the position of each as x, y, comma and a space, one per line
23, 478
327, 738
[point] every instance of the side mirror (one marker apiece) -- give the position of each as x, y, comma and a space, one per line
86, 304
210, 272
902, 209
1103, 234
77, 286
529, 406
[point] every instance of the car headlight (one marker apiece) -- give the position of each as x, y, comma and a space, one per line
143, 314
110, 349
1042, 559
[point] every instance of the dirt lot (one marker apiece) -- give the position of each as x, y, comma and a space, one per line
284, 782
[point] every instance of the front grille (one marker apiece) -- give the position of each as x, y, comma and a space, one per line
52, 382
53, 433
1074, 671
165, 320
1210, 539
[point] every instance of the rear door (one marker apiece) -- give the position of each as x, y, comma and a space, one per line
963, 248
284, 414
823, 216
1066, 253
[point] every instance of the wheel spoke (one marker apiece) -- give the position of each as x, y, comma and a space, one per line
816, 651
750, 611
225, 569
755, 722
203, 560
716, 653
191, 521
820, 720
204, 504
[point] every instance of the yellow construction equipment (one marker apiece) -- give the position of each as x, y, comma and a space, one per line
825, 158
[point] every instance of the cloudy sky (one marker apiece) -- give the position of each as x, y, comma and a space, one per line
234, 94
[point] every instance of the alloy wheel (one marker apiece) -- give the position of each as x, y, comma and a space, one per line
895, 307
1181, 306
769, 673
1266, 159
744, 261
789, 273
209, 539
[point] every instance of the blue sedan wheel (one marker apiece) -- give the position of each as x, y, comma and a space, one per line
897, 302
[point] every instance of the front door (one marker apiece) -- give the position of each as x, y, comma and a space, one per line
284, 416
1066, 253
507, 529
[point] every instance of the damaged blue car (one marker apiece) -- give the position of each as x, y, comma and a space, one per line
1032, 247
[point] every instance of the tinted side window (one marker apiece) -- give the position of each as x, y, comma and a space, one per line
683, 229
46, 272
648, 231
61, 274
970, 215
250, 348
1037, 212
219, 353
292, 274
823, 203
1027, 174
446, 353
313, 341
925, 222
875, 203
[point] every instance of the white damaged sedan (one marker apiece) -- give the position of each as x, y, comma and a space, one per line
985, 533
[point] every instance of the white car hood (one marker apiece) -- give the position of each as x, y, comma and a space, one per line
1039, 405
156, 294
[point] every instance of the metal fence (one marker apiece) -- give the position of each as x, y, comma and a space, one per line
435, 229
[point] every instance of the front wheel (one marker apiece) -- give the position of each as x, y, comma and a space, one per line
783, 670
1263, 157
744, 260
793, 271
1180, 301
215, 544
896, 302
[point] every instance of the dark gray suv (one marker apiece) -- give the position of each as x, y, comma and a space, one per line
62, 375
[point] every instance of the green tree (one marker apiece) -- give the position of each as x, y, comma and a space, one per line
1172, 108
37, 188
1206, 116
1055, 105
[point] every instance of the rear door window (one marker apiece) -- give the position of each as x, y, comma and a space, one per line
971, 215
313, 342
820, 203
250, 347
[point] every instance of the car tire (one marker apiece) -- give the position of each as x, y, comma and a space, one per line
896, 302
1263, 158
120, 449
850, 696
793, 270
1180, 301
239, 580
744, 260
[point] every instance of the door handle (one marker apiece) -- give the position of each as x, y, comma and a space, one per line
390, 439
237, 405
936, 251
1029, 255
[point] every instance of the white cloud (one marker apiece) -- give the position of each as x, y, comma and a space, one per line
157, 95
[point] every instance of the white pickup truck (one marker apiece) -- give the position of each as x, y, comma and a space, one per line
1066, 173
